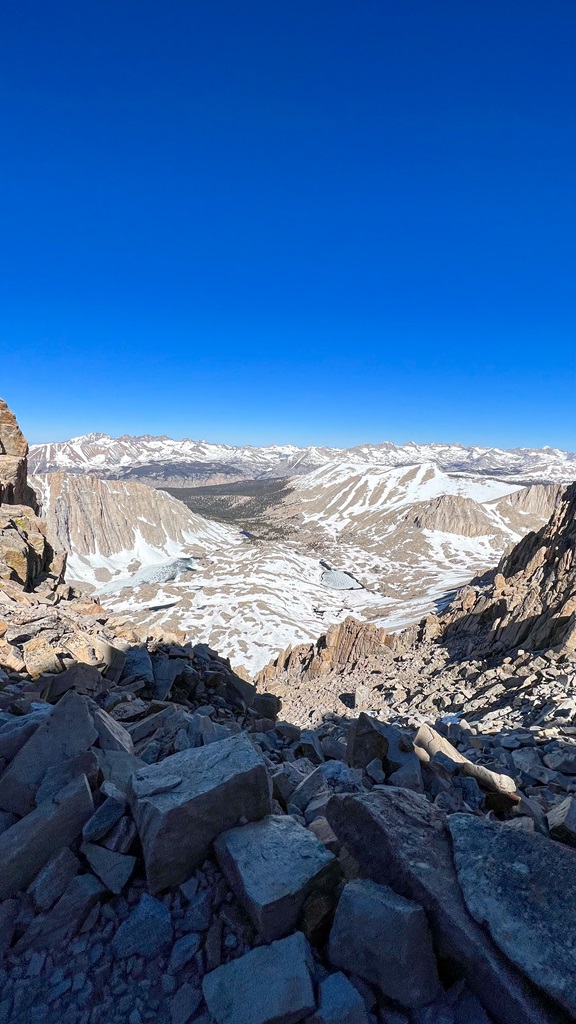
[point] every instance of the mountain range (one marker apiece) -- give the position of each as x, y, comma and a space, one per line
162, 461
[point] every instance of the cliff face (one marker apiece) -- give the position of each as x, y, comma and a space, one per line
531, 600
14, 489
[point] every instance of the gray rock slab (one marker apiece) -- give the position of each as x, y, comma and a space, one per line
272, 866
147, 726
184, 1004
31, 842
138, 665
339, 1003
66, 732
401, 840
13, 734
107, 815
519, 887
183, 951
369, 738
113, 869
385, 939
8, 914
50, 930
61, 774
270, 985
146, 932
220, 785
53, 879
121, 836
562, 821
166, 672
117, 766
111, 734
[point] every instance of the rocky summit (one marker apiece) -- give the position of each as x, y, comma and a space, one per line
379, 829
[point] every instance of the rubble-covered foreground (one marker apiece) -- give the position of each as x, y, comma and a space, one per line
173, 851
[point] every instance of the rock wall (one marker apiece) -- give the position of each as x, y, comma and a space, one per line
14, 489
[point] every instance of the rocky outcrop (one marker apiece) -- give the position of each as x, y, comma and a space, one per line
14, 489
530, 602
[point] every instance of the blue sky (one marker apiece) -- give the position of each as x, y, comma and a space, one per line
319, 221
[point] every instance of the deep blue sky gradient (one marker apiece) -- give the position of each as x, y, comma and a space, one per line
317, 221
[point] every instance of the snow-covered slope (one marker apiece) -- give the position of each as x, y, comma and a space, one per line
406, 536
163, 461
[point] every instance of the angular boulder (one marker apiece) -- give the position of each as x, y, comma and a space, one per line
146, 932
339, 1003
272, 865
182, 804
401, 840
385, 939
66, 916
27, 846
520, 886
269, 985
66, 732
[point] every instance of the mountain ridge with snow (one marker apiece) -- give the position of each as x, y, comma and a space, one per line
162, 461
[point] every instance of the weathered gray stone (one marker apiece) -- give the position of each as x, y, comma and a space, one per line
146, 932
8, 915
27, 846
13, 734
62, 774
562, 760
183, 951
370, 739
166, 672
107, 815
339, 1003
409, 776
385, 939
325, 834
503, 874
53, 879
111, 734
68, 731
562, 821
117, 766
121, 836
113, 869
310, 785
138, 665
269, 985
401, 840
184, 1004
272, 865
221, 784
64, 919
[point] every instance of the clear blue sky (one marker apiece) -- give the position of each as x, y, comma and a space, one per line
318, 221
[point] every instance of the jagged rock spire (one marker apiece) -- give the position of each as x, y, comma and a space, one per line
14, 489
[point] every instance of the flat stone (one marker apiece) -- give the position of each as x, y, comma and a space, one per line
166, 672
13, 734
51, 930
107, 815
385, 939
138, 665
562, 760
31, 842
503, 874
53, 879
111, 734
272, 866
68, 731
221, 784
146, 932
402, 840
121, 836
61, 774
183, 951
562, 821
325, 834
269, 985
117, 766
339, 1003
113, 869
184, 1004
